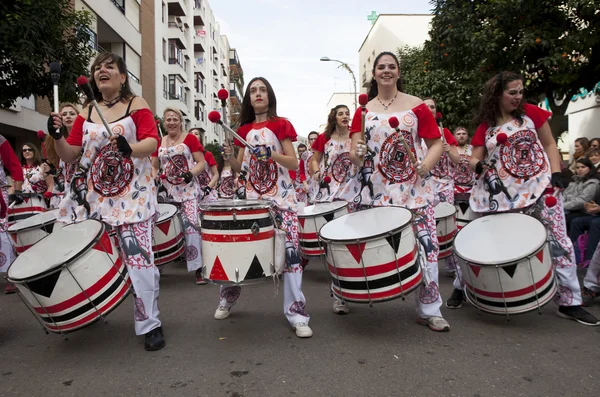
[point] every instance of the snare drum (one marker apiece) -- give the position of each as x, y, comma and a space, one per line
372, 255
311, 219
238, 241
169, 240
32, 204
29, 231
445, 220
71, 278
506, 263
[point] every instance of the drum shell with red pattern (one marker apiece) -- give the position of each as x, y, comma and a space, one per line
168, 243
445, 220
311, 219
32, 204
464, 213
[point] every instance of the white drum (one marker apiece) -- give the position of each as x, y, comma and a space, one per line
445, 220
372, 255
169, 240
29, 231
32, 204
464, 213
71, 278
311, 219
506, 263
238, 241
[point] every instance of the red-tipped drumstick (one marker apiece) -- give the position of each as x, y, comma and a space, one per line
438, 118
394, 123
86, 88
501, 138
363, 99
215, 117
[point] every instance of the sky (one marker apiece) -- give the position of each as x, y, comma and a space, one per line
283, 40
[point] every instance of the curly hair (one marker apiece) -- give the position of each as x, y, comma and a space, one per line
106, 57
332, 120
373, 91
489, 106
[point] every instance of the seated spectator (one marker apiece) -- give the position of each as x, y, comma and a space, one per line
581, 190
594, 156
581, 146
595, 143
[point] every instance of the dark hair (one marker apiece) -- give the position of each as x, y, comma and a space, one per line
489, 105
37, 157
594, 139
313, 133
332, 121
301, 145
593, 172
247, 115
373, 90
221, 160
584, 143
460, 127
106, 57
592, 151
49, 142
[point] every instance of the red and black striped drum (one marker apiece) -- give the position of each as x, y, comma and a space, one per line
72, 278
238, 241
311, 219
372, 255
29, 231
32, 204
168, 242
445, 225
464, 213
506, 263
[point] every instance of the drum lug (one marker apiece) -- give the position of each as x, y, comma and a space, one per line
237, 275
255, 229
234, 216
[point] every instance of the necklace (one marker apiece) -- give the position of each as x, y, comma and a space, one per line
109, 104
258, 114
385, 107
505, 120
173, 140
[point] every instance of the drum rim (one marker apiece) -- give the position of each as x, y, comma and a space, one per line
28, 228
159, 213
59, 267
446, 216
326, 212
370, 238
256, 204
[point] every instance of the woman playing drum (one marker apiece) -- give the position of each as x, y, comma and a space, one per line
36, 180
180, 159
516, 158
114, 182
267, 178
227, 178
390, 178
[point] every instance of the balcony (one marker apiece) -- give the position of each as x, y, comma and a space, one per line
177, 7
177, 32
199, 39
120, 4
234, 95
365, 82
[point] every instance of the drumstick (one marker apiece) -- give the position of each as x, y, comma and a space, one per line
394, 123
223, 94
55, 70
215, 117
363, 99
86, 88
552, 200
438, 118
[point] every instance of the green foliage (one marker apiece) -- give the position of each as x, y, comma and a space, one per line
34, 33
215, 149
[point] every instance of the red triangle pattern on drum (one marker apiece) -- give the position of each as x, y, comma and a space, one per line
104, 244
26, 199
540, 256
356, 250
301, 221
475, 270
164, 226
217, 272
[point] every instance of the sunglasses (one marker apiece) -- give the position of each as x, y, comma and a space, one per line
27, 150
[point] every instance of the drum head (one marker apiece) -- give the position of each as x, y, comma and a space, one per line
228, 205
444, 210
34, 221
56, 249
321, 208
166, 211
362, 225
500, 239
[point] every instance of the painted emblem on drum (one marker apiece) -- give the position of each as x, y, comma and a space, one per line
230, 294
203, 179
463, 175
2, 259
140, 310
429, 293
475, 269
111, 172
394, 161
564, 296
340, 167
262, 175
227, 186
176, 166
191, 253
298, 307
522, 156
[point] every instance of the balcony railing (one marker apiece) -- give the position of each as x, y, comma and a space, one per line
120, 4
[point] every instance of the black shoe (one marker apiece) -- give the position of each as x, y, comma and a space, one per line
588, 296
578, 314
154, 340
456, 299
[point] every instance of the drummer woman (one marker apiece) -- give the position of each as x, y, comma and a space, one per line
273, 136
36, 180
62, 172
389, 178
208, 179
227, 177
118, 171
516, 156
180, 159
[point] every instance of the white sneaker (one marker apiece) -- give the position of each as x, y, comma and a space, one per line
222, 313
303, 330
340, 307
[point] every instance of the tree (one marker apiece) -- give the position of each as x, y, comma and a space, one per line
34, 33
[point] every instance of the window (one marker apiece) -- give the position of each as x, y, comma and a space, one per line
176, 54
164, 12
120, 4
199, 83
164, 50
197, 4
172, 87
165, 87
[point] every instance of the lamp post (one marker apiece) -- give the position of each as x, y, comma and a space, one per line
344, 65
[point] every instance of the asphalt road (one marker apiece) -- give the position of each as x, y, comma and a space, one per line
372, 351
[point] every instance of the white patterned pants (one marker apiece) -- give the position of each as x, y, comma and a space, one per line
193, 239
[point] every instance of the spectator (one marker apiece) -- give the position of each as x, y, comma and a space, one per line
594, 156
595, 143
581, 147
301, 149
581, 190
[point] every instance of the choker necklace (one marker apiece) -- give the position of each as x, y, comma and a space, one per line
385, 107
260, 114
111, 103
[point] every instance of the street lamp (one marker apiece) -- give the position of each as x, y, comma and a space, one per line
344, 65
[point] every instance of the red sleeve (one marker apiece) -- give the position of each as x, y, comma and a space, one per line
11, 162
450, 140
292, 174
193, 143
356, 121
75, 137
319, 144
145, 125
284, 130
302, 170
426, 125
479, 137
210, 159
536, 114
243, 132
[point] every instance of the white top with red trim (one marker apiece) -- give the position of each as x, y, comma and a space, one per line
519, 169
35, 181
442, 175
177, 160
206, 176
335, 163
388, 177
268, 180
227, 184
464, 178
